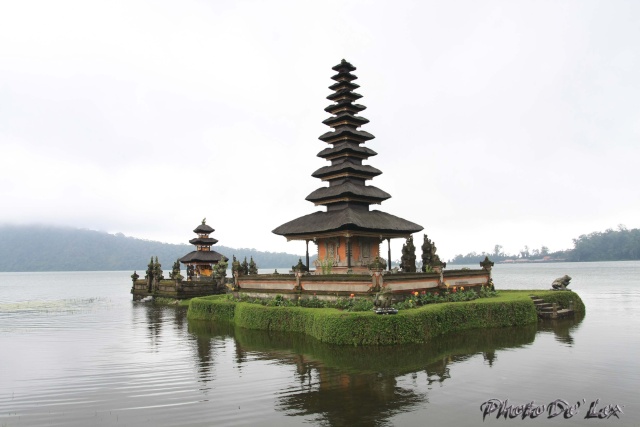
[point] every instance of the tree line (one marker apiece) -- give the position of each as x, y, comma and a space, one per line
611, 245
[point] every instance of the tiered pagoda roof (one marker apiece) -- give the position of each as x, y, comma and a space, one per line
347, 197
203, 244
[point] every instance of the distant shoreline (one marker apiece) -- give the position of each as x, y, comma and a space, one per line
520, 262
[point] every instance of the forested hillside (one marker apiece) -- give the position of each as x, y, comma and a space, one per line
611, 245
41, 248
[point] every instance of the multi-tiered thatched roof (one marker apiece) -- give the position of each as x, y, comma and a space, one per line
347, 197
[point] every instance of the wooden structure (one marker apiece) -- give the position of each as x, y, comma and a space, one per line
200, 262
348, 234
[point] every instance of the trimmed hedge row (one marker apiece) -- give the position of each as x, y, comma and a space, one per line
511, 308
215, 308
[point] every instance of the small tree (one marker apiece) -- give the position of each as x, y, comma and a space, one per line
149, 272
220, 269
253, 268
175, 271
408, 260
157, 270
223, 264
149, 276
235, 266
245, 267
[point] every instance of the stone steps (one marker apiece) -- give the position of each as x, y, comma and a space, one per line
546, 310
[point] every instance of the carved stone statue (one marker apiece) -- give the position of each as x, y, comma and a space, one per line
561, 283
487, 264
299, 267
377, 264
382, 302
408, 259
427, 253
430, 260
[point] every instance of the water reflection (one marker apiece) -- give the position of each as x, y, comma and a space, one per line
204, 336
561, 328
338, 385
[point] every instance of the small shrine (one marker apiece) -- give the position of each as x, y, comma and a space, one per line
199, 263
348, 234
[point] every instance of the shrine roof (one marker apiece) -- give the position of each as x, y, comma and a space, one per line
344, 94
344, 132
346, 117
347, 219
346, 167
349, 189
346, 105
203, 241
345, 147
203, 229
343, 66
203, 256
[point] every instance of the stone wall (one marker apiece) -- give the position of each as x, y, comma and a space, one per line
358, 284
178, 289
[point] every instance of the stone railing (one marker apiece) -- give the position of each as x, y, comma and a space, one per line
358, 284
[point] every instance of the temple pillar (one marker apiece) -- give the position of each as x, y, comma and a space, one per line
348, 252
307, 256
389, 253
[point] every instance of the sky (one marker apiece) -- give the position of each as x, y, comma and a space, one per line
497, 122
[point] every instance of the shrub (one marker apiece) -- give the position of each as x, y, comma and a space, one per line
312, 302
361, 304
510, 308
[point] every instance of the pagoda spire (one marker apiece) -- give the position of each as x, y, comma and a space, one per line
347, 232
346, 174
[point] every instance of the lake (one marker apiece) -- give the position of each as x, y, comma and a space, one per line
75, 350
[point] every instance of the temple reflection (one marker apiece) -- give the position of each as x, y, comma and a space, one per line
338, 385
204, 336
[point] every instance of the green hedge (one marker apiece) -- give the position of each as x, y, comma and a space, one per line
215, 308
511, 308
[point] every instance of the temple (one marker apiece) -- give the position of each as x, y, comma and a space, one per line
206, 272
200, 262
348, 234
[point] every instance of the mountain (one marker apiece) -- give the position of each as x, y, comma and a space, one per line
47, 248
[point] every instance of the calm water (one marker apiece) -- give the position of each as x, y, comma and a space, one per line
76, 351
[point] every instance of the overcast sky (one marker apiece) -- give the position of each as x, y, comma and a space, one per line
496, 122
